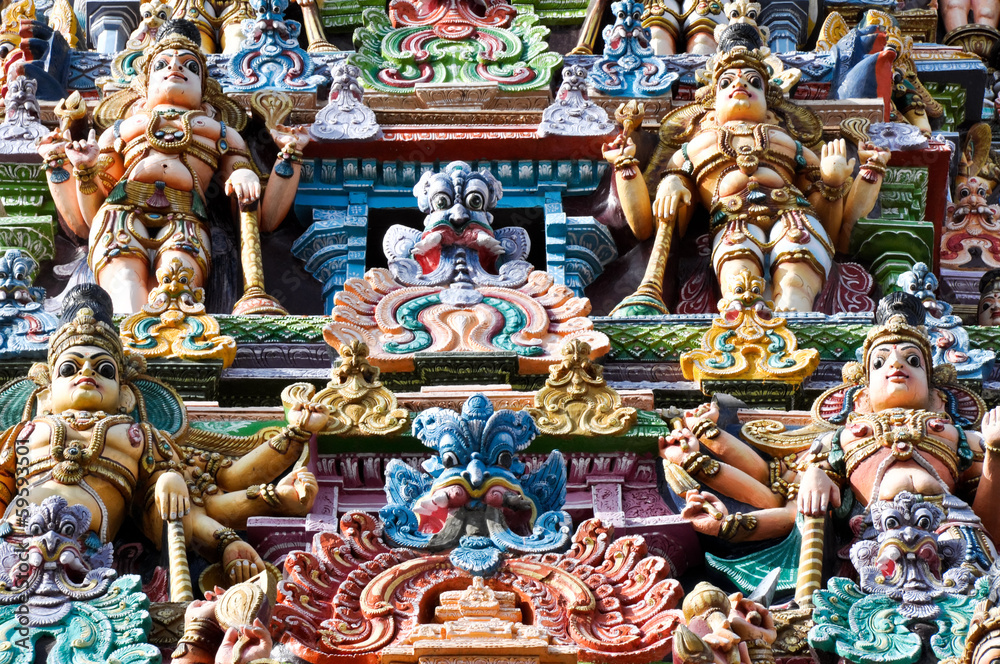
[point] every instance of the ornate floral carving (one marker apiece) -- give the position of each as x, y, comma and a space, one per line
746, 341
355, 596
446, 41
357, 401
174, 322
576, 401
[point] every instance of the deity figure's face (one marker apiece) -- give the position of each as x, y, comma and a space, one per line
897, 377
175, 77
85, 378
989, 308
740, 94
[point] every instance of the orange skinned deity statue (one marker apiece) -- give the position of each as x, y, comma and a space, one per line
781, 203
138, 191
904, 434
85, 436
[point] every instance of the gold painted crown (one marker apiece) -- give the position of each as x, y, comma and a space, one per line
86, 330
740, 57
897, 330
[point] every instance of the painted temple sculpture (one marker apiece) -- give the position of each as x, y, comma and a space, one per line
622, 332
138, 192
777, 208
99, 432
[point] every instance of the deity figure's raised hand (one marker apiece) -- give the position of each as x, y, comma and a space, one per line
296, 492
309, 417
678, 445
296, 137
241, 562
991, 429
834, 165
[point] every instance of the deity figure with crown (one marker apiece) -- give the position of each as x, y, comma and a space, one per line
139, 190
780, 202
99, 432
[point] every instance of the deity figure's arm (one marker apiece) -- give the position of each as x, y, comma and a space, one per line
292, 496
84, 156
683, 448
268, 461
762, 524
8, 466
989, 483
62, 184
239, 560
284, 180
630, 186
703, 420
864, 194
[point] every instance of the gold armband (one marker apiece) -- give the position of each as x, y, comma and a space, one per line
242, 164
834, 193
85, 178
698, 463
734, 524
265, 492
224, 537
280, 442
992, 448
705, 428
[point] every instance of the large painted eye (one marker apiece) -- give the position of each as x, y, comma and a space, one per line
475, 201
878, 362
162, 16
913, 360
449, 459
193, 66
891, 523
68, 529
106, 369
924, 522
752, 15
441, 202
756, 82
159, 64
35, 530
505, 459
67, 369
724, 82
963, 193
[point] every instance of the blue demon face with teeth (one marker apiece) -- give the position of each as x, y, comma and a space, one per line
475, 497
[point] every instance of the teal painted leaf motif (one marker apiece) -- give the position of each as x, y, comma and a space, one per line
778, 357
723, 346
407, 317
862, 629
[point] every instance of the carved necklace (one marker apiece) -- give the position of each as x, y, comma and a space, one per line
747, 156
73, 457
169, 140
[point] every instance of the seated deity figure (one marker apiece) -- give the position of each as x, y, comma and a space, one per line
84, 436
138, 192
903, 433
776, 207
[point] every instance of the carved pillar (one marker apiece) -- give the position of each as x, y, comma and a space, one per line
110, 22
788, 21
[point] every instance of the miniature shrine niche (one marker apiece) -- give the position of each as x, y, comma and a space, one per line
482, 332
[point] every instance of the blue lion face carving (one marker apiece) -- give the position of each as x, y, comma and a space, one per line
475, 494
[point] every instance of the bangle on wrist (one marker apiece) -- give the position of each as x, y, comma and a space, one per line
734, 524
288, 156
705, 428
54, 166
225, 537
698, 463
835, 193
